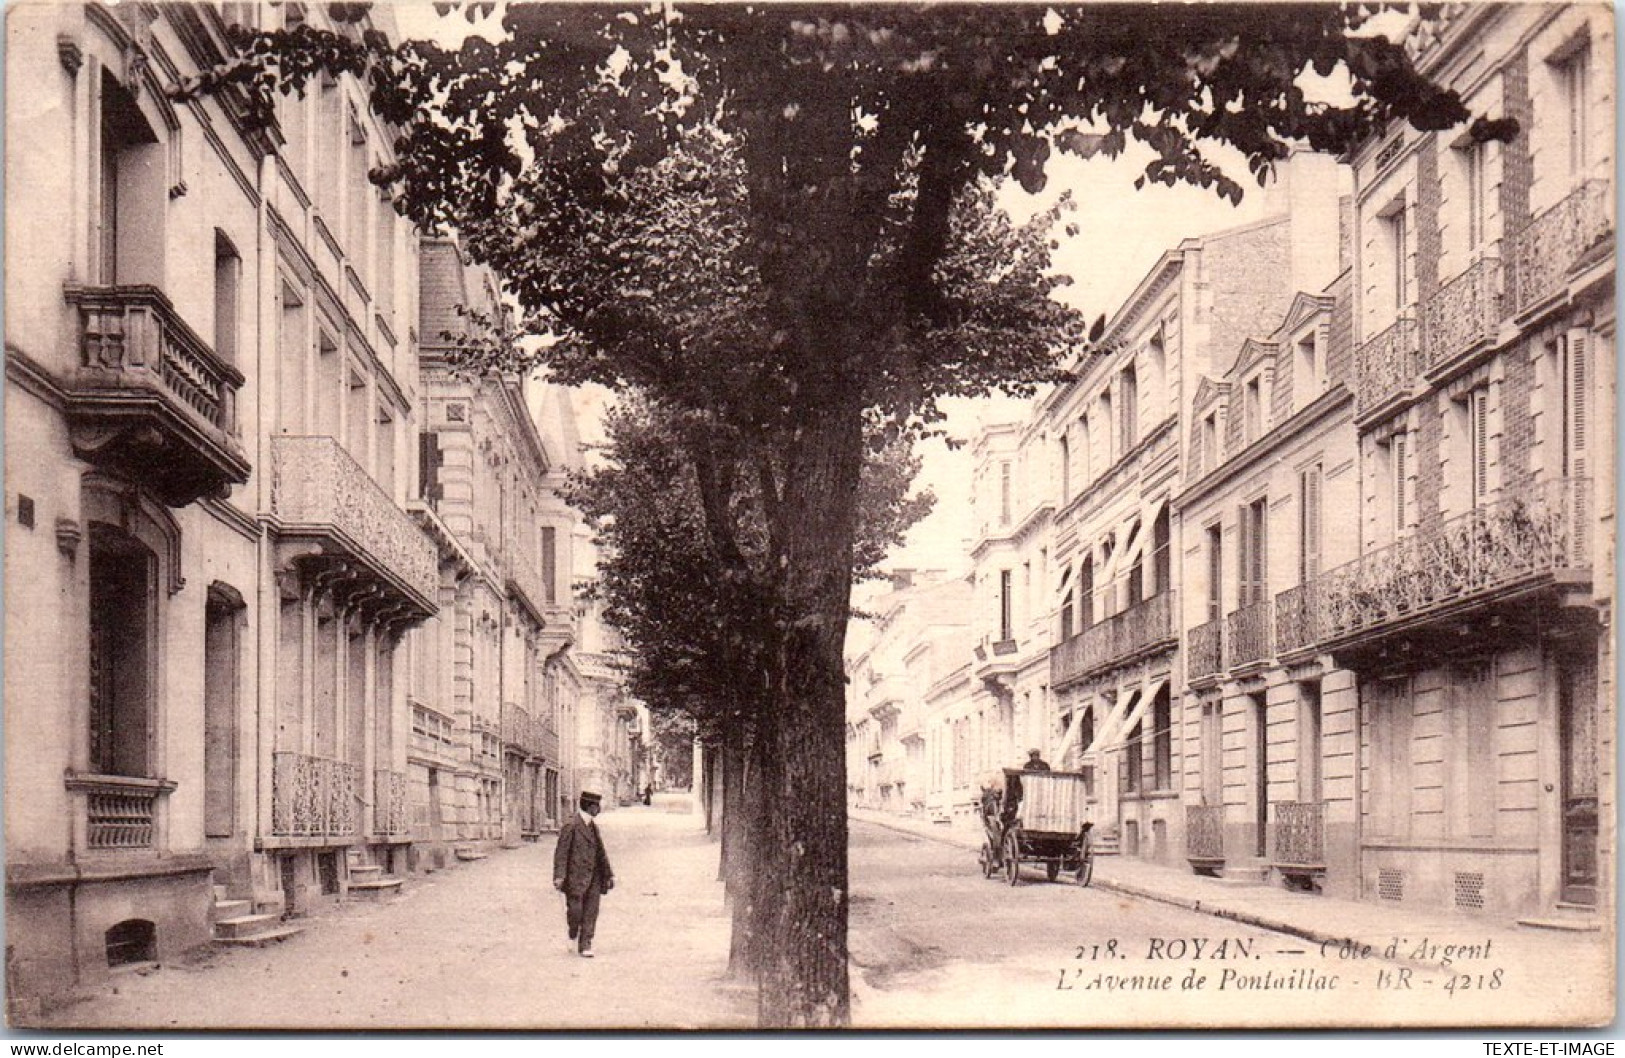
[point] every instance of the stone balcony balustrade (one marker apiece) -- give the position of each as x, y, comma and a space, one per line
151, 399
335, 523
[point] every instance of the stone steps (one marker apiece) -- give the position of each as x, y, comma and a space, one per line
259, 940
470, 855
374, 888
242, 927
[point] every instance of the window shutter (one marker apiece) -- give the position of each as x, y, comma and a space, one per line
1576, 404
1244, 585
1309, 554
1397, 457
429, 466
1478, 404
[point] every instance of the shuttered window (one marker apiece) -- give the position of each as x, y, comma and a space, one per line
1576, 401
1253, 546
1399, 472
1478, 437
429, 460
1309, 524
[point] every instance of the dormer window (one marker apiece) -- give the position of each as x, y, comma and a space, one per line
1309, 367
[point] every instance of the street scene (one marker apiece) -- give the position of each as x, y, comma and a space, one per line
540, 516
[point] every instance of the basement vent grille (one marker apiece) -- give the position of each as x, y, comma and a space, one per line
1470, 890
1390, 884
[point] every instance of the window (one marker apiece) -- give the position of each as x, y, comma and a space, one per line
1066, 615
122, 604
550, 563
1309, 482
1066, 470
130, 186
1576, 399
1398, 483
429, 462
1215, 572
1026, 591
1162, 739
1307, 376
386, 450
1473, 166
228, 269
1161, 580
384, 248
1004, 493
1574, 75
221, 621
1309, 742
1128, 409
1084, 449
1132, 762
1478, 445
1106, 421
1210, 441
1397, 224
1254, 547
1004, 604
1252, 409
1086, 594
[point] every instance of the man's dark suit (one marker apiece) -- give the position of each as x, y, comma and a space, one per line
581, 870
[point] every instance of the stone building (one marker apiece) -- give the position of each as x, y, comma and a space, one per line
895, 730
1120, 437
493, 675
1475, 618
211, 392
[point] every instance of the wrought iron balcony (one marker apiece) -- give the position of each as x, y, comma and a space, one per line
389, 816
1117, 640
1248, 633
1297, 619
1550, 247
1463, 316
1204, 654
1204, 833
333, 519
1487, 552
1300, 835
150, 398
547, 742
1386, 366
523, 732
314, 796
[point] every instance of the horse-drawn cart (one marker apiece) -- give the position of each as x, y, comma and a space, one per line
1036, 817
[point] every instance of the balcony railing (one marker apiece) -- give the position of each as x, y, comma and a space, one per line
1204, 655
1546, 251
531, 735
1297, 619
120, 811
1204, 832
1485, 550
389, 816
319, 490
142, 373
1300, 834
1116, 639
1248, 632
1387, 365
526, 579
313, 796
1464, 315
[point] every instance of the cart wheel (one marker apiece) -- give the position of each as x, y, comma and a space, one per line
1086, 866
989, 861
1012, 858
1052, 869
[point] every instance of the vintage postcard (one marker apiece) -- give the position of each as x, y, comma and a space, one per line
704, 517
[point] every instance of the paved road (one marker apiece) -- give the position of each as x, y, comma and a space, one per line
936, 944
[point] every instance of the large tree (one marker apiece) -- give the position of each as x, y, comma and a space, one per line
858, 134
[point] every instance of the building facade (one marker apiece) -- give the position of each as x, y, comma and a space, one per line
290, 610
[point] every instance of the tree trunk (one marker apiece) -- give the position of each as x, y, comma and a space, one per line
731, 859
804, 980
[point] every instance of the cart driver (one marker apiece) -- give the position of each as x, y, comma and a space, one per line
1035, 761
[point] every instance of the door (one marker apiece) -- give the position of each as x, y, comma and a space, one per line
1261, 777
1577, 725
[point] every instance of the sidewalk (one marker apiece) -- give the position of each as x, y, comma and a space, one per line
478, 946
1415, 938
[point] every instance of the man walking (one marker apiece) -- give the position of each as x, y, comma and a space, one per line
581, 872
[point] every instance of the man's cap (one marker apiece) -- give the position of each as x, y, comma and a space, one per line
590, 799
1034, 752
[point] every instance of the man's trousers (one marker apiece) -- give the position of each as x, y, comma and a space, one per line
581, 914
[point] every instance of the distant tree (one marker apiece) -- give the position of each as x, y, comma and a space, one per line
857, 135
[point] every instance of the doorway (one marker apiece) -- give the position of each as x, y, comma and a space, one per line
1577, 728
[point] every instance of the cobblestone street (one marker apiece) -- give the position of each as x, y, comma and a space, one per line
479, 946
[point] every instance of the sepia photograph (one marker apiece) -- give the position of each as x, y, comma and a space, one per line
543, 517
